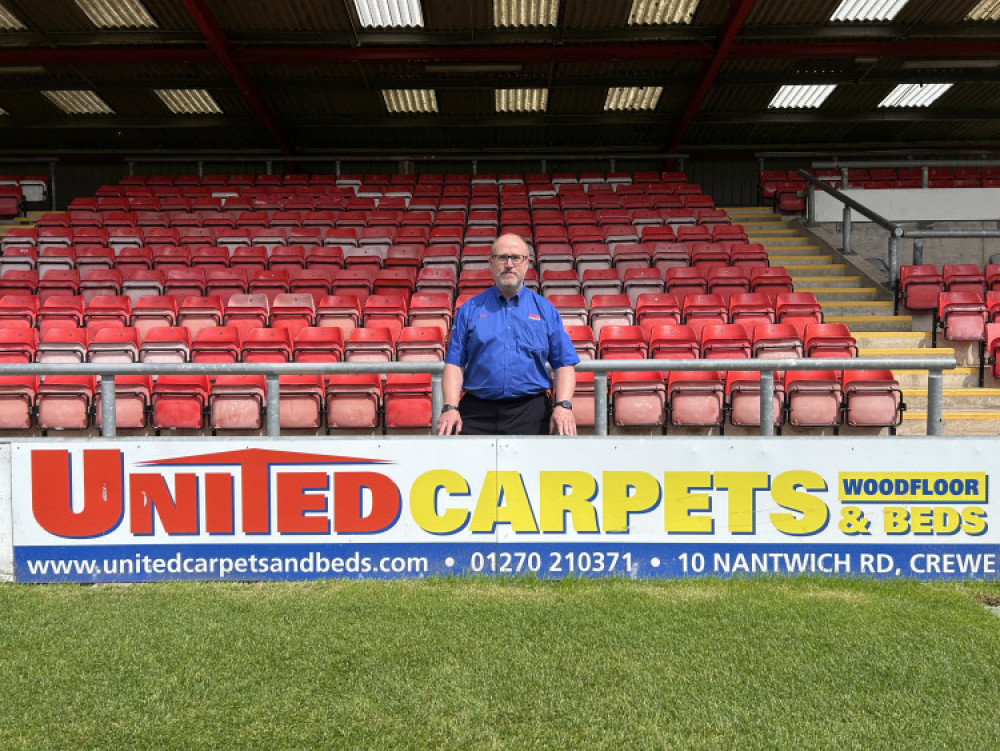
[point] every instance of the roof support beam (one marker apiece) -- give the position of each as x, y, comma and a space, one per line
219, 45
515, 53
737, 15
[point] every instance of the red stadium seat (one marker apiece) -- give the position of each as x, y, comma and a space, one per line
695, 398
353, 401
236, 402
216, 344
407, 401
638, 399
179, 402
919, 286
776, 341
64, 402
113, 345
814, 398
743, 397
961, 316
166, 344
267, 345
872, 398
829, 340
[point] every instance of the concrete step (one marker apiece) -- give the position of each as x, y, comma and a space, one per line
857, 308
835, 294
798, 260
888, 339
870, 322
957, 378
823, 282
813, 269
904, 352
954, 422
963, 400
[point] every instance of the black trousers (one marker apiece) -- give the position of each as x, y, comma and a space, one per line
521, 415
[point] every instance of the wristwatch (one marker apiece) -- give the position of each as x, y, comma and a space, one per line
565, 404
448, 408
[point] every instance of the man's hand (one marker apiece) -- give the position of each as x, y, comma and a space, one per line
449, 423
562, 422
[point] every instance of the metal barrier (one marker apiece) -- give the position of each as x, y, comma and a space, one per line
896, 231
473, 159
272, 371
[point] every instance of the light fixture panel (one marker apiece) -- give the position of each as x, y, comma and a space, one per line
661, 12
915, 94
410, 101
10, 22
79, 102
508, 14
189, 101
522, 100
632, 98
867, 10
389, 14
985, 10
793, 96
117, 14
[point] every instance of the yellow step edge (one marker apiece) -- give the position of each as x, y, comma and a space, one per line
953, 416
870, 319
905, 352
828, 278
892, 334
970, 391
960, 370
838, 290
874, 304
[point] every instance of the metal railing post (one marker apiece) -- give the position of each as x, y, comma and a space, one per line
109, 420
272, 400
601, 403
811, 206
935, 397
437, 399
893, 260
846, 250
767, 402
918, 252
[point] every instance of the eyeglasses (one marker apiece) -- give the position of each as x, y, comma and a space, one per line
503, 260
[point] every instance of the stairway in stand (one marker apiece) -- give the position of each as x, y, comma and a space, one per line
867, 309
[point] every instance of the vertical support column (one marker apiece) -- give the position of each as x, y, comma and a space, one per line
923, 177
918, 251
437, 399
600, 403
811, 205
935, 397
846, 249
767, 402
52, 183
109, 419
893, 260
272, 401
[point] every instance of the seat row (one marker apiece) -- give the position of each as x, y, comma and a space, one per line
713, 399
350, 236
277, 199
372, 217
920, 284
228, 402
709, 399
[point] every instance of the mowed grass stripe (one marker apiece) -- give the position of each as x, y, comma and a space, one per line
476, 663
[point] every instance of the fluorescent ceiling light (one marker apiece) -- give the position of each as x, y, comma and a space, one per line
10, 22
914, 94
633, 98
801, 97
79, 102
867, 10
522, 100
659, 12
389, 13
117, 14
405, 101
510, 13
985, 10
189, 101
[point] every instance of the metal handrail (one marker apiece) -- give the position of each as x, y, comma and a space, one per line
896, 231
272, 371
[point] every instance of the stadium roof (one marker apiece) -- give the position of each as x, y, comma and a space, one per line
417, 76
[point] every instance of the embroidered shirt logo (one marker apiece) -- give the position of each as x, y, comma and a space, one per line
534, 316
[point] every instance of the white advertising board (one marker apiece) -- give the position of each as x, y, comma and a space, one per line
105, 511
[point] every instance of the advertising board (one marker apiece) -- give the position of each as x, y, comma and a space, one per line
288, 509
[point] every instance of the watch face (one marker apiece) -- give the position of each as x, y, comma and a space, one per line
565, 404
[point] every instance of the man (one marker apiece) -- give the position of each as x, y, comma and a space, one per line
500, 342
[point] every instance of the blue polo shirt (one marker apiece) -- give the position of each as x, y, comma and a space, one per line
504, 344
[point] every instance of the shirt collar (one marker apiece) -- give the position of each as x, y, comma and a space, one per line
515, 300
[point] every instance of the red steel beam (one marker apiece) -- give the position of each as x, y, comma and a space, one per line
737, 15
219, 46
930, 50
